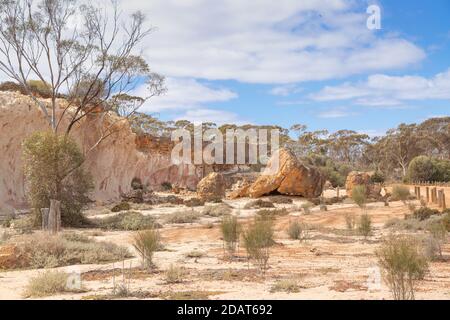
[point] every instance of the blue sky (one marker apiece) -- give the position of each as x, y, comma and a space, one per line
310, 62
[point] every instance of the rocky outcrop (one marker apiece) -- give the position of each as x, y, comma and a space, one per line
356, 178
113, 164
212, 187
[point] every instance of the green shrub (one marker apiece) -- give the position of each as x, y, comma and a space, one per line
53, 169
350, 221
123, 206
297, 231
230, 233
437, 238
424, 168
400, 193
47, 284
258, 239
130, 221
40, 87
194, 202
306, 206
146, 243
365, 225
167, 186
359, 195
377, 177
446, 220
272, 212
403, 263
255, 204
281, 200
424, 213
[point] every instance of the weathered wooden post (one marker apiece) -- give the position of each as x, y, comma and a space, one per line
433, 195
54, 216
418, 193
428, 194
440, 198
44, 214
444, 205
337, 192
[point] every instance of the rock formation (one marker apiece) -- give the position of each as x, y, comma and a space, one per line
113, 164
212, 187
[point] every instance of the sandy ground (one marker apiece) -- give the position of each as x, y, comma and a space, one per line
330, 265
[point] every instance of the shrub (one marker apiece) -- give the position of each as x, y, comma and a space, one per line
365, 225
424, 213
230, 233
255, 204
359, 195
297, 231
53, 169
47, 284
281, 200
217, 210
377, 177
350, 221
174, 274
146, 243
123, 206
400, 193
423, 168
136, 184
194, 202
306, 206
272, 212
46, 251
438, 237
130, 221
183, 217
403, 263
446, 220
167, 186
40, 87
258, 239
289, 286
195, 254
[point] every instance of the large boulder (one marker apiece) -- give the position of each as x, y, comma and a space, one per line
212, 187
285, 174
356, 178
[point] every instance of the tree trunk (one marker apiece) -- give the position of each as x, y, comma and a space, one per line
54, 217
45, 214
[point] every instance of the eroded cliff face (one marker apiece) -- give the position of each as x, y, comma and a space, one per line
113, 164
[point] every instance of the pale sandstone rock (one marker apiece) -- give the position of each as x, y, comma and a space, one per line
212, 187
113, 164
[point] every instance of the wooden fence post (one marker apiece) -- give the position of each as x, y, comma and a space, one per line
444, 205
428, 194
418, 193
44, 214
54, 217
440, 198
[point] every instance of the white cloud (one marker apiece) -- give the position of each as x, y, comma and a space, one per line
185, 94
383, 90
337, 112
219, 117
274, 42
285, 90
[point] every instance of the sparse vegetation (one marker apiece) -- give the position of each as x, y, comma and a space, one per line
123, 206
281, 200
403, 263
131, 221
287, 285
350, 221
359, 195
146, 243
306, 206
217, 210
436, 239
365, 225
298, 231
230, 233
174, 274
47, 284
424, 213
259, 203
401, 193
188, 216
272, 212
167, 186
258, 239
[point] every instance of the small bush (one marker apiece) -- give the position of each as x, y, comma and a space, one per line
258, 239
359, 195
217, 210
289, 286
136, 184
195, 254
146, 243
47, 284
255, 204
194, 202
298, 231
446, 220
167, 186
400, 193
281, 200
377, 177
123, 206
403, 263
437, 238
350, 221
230, 233
365, 225
183, 217
129, 221
306, 206
424, 213
24, 224
272, 212
174, 275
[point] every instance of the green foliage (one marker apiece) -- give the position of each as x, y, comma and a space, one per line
130, 221
424, 213
230, 233
333, 171
47, 284
377, 177
359, 195
175, 274
365, 225
123, 206
146, 243
258, 239
403, 263
424, 168
400, 193
53, 169
167, 186
183, 217
435, 241
297, 231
